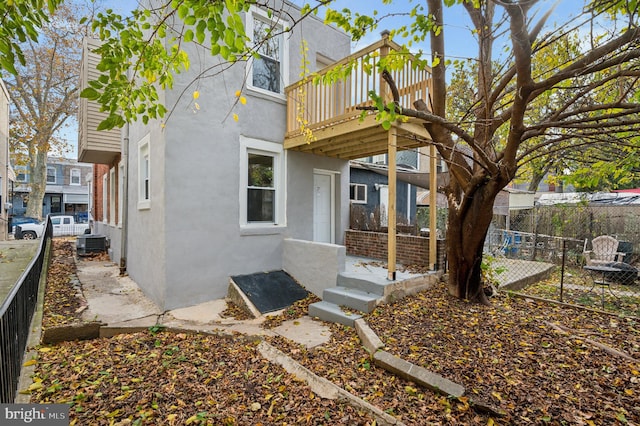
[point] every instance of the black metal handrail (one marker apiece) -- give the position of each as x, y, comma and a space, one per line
16, 313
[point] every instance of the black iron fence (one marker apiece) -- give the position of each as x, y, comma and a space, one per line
16, 313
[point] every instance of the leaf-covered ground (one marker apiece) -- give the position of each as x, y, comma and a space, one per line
540, 363
579, 289
178, 379
61, 302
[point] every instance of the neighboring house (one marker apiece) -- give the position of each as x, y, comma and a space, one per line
6, 173
66, 191
546, 186
369, 188
189, 203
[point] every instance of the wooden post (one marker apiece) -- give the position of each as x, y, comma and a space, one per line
391, 164
391, 214
433, 207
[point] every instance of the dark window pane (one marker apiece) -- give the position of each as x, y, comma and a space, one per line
266, 74
260, 171
260, 205
51, 175
56, 204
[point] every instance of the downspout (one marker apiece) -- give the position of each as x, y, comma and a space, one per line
125, 202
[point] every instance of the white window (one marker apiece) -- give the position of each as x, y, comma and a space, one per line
51, 175
74, 178
104, 198
262, 197
379, 159
268, 68
112, 196
120, 191
21, 177
358, 193
144, 174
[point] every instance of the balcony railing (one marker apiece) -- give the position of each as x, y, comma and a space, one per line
313, 106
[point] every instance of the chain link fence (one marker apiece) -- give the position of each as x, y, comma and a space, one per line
548, 251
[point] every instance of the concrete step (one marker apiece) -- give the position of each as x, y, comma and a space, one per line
331, 312
356, 299
368, 283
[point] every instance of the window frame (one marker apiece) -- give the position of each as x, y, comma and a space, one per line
105, 194
112, 196
77, 172
279, 24
276, 151
120, 192
55, 178
356, 200
144, 173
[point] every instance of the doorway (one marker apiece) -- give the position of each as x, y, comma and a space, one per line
324, 206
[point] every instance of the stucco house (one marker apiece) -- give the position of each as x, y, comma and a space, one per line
192, 201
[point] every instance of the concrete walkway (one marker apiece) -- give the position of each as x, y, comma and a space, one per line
118, 303
14, 259
518, 274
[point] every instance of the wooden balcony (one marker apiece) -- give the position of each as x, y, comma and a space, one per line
325, 118
94, 146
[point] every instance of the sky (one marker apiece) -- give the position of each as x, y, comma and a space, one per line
457, 22
459, 39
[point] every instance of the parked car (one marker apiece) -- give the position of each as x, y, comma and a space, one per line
21, 220
62, 225
29, 231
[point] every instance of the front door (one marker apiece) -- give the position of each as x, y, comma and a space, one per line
323, 227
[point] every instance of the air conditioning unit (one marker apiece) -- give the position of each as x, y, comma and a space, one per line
86, 244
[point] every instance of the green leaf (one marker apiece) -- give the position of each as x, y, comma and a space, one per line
90, 93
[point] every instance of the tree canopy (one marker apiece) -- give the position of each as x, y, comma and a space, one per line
572, 87
21, 20
44, 93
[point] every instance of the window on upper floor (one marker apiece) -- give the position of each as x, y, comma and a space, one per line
379, 159
22, 177
51, 175
262, 180
144, 173
74, 177
268, 68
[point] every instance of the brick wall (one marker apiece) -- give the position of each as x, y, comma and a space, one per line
410, 250
99, 170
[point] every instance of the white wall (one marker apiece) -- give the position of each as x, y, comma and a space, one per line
314, 265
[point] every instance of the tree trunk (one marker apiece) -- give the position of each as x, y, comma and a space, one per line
468, 226
38, 181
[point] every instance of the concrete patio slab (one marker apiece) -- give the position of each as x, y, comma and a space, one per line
305, 331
